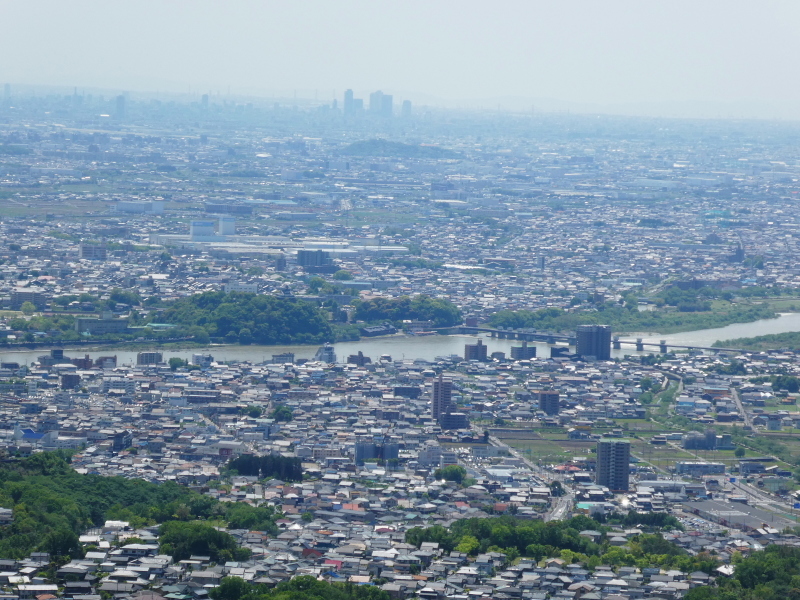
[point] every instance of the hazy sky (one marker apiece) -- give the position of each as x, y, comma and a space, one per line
727, 58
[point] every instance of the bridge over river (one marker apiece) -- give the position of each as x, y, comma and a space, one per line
530, 335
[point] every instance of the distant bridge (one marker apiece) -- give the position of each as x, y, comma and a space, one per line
529, 335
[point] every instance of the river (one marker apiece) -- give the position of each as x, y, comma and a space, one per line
424, 347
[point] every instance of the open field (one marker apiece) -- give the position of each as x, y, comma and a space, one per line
541, 450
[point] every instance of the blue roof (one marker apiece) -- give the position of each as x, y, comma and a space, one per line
30, 434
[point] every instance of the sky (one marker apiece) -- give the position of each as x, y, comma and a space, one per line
706, 58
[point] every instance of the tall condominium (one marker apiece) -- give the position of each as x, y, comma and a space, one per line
613, 464
442, 397
548, 401
594, 340
476, 351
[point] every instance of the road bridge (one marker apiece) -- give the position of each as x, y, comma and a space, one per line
530, 335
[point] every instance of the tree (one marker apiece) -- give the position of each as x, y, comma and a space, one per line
245, 336
27, 308
64, 542
739, 452
442, 313
125, 297
315, 284
230, 588
468, 544
282, 413
455, 473
253, 411
269, 319
176, 363
342, 275
199, 335
183, 539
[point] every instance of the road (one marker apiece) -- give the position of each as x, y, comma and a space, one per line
559, 507
762, 498
740, 407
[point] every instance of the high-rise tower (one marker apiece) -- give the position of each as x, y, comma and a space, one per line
349, 107
594, 340
613, 464
442, 397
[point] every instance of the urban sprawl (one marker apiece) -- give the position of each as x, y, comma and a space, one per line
182, 281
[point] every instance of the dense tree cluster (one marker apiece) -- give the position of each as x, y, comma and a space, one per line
181, 540
770, 574
52, 505
250, 318
442, 312
304, 587
789, 340
286, 468
651, 520
622, 318
282, 413
455, 473
537, 539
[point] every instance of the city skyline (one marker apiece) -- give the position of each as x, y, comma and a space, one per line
722, 62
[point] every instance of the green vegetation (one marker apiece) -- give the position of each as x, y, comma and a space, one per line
317, 285
116, 296
790, 383
304, 587
455, 473
770, 574
789, 340
63, 324
264, 467
176, 363
418, 263
52, 505
538, 540
213, 316
397, 149
184, 539
282, 413
343, 275
262, 319
629, 319
443, 313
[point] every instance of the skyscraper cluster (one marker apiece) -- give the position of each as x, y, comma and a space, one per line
380, 104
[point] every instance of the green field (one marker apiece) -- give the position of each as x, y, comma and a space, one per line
541, 450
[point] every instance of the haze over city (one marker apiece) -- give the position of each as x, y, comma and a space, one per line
399, 301
689, 59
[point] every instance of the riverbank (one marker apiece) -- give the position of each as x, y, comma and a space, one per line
623, 320
788, 340
401, 346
